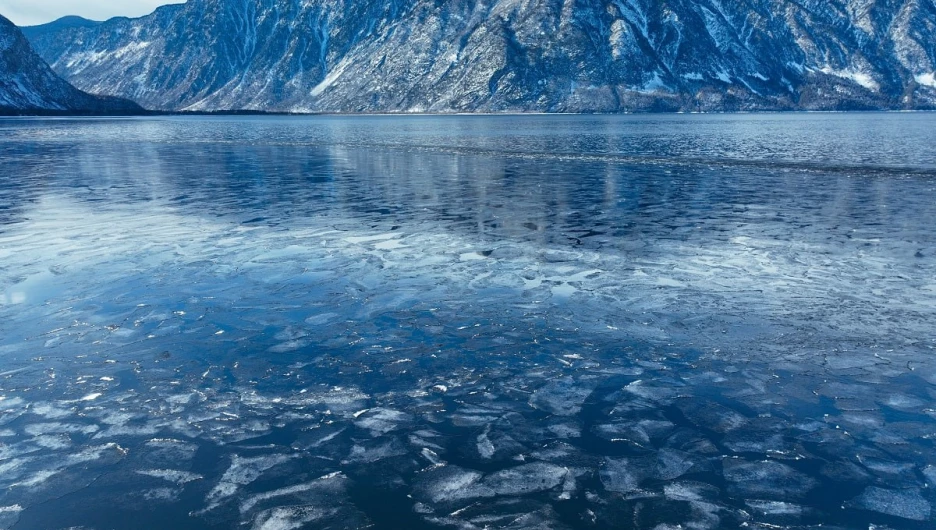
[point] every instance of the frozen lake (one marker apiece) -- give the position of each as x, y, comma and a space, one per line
561, 322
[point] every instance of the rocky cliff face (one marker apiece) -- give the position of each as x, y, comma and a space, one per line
28, 85
508, 55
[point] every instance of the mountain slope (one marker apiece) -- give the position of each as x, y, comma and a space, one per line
28, 85
520, 55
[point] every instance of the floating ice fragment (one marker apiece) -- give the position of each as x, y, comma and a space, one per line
669, 282
859, 422
904, 402
907, 504
105, 454
328, 485
171, 475
766, 479
471, 256
474, 419
319, 437
528, 478
243, 471
451, 483
498, 445
380, 421
562, 398
161, 495
930, 473
485, 447
288, 346
640, 433
50, 411
888, 469
38, 478
619, 475
672, 464
290, 517
117, 417
561, 453
338, 400
375, 450
712, 416
36, 429
662, 395
845, 472
147, 429
9, 515
12, 469
167, 451
431, 456
565, 430
55, 442
775, 507
110, 451
506, 513
755, 441
370, 239
690, 491
426, 433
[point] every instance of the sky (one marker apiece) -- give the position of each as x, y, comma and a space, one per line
30, 12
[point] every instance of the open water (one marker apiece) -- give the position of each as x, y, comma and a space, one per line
519, 322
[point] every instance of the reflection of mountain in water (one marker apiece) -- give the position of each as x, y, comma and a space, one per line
624, 211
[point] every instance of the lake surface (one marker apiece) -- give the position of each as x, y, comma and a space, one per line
515, 322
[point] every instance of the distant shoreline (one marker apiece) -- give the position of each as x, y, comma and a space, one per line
15, 113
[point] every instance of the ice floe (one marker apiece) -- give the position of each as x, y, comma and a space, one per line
243, 471
907, 504
171, 475
766, 479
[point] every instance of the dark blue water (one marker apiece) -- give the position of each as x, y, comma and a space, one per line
468, 322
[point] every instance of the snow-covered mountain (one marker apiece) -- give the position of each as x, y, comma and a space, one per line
28, 85
499, 55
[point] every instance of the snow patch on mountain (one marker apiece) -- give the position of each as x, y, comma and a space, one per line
926, 79
864, 79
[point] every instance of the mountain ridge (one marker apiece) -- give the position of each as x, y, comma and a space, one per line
508, 55
29, 86
63, 23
